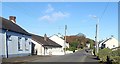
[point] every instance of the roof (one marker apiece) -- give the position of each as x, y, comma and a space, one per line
10, 26
41, 40
103, 41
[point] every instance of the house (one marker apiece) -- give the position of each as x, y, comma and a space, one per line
88, 45
14, 40
109, 43
44, 46
60, 41
116, 48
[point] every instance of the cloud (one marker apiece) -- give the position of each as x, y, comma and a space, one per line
52, 15
49, 8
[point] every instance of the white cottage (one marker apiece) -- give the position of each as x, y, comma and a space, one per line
60, 41
14, 40
43, 45
109, 43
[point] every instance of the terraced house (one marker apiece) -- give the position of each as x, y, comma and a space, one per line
14, 40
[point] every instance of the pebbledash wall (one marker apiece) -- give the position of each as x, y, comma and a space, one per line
0, 43
9, 42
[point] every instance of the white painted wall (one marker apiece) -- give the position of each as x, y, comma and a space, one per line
112, 43
57, 51
59, 41
88, 45
39, 48
49, 51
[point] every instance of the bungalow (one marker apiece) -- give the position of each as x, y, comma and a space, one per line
14, 40
60, 41
109, 43
43, 45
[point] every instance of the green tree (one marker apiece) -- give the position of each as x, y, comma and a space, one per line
91, 42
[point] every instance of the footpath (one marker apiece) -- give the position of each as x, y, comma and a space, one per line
20, 60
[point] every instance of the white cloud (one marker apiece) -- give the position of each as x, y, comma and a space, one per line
49, 8
52, 15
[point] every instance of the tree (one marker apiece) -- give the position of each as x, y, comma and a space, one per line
91, 42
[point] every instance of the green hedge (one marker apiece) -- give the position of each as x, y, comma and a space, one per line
72, 48
103, 53
114, 55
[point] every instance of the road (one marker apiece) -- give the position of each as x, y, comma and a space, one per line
79, 56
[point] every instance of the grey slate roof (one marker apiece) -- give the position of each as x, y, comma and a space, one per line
10, 26
41, 40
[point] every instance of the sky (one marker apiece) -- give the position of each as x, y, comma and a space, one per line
51, 17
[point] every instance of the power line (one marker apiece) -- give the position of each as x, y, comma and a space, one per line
104, 11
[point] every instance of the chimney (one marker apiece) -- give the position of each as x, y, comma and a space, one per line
45, 37
12, 18
112, 36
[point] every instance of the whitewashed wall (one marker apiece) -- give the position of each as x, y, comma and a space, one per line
57, 51
39, 48
88, 45
112, 43
59, 41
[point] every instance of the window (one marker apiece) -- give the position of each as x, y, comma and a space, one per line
19, 44
113, 45
26, 44
9, 38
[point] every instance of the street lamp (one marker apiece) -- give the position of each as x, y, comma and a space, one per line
96, 37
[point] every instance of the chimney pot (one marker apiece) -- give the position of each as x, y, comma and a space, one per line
45, 37
12, 18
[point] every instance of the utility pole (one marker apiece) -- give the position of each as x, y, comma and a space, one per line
96, 36
65, 39
96, 39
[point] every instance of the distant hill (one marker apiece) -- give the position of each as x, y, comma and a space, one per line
80, 34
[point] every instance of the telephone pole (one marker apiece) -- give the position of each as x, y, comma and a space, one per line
96, 36
65, 39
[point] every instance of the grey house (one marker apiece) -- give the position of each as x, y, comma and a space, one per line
14, 40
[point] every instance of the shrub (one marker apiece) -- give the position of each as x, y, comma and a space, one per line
72, 48
115, 55
103, 53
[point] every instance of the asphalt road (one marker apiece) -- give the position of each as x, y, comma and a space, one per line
79, 56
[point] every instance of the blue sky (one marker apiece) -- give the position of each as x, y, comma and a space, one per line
51, 17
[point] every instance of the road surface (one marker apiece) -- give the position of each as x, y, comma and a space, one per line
79, 56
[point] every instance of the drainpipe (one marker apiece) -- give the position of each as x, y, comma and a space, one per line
6, 44
44, 50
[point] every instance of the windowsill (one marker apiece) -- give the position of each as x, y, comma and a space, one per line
26, 49
20, 50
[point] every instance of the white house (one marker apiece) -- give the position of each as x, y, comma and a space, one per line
44, 46
61, 42
109, 43
88, 45
14, 40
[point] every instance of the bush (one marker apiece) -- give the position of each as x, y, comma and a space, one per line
72, 48
115, 55
103, 53
116, 59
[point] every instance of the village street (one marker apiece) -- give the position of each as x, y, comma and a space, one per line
79, 56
